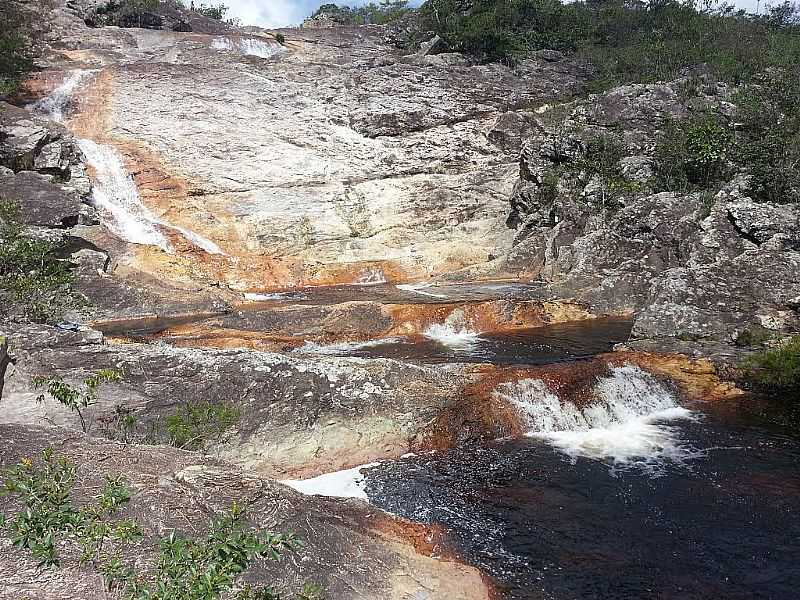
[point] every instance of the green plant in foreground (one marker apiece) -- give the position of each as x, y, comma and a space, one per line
186, 569
776, 370
195, 423
203, 569
31, 274
48, 514
75, 399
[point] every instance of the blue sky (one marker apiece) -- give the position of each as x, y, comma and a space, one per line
282, 13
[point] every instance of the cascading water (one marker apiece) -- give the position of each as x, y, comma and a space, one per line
420, 288
248, 46
348, 483
56, 103
452, 336
115, 195
114, 192
626, 423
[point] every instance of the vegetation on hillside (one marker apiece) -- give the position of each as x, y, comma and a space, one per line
16, 56
381, 13
34, 281
47, 522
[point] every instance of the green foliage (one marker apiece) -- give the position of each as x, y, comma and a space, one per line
693, 154
32, 277
187, 569
382, 13
48, 516
75, 399
754, 336
196, 423
769, 145
280, 38
15, 46
776, 370
212, 11
203, 569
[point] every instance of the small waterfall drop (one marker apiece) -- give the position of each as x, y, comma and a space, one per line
248, 46
452, 336
627, 423
56, 103
348, 483
115, 195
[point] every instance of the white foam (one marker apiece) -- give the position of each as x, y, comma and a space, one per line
115, 195
54, 105
345, 347
370, 277
452, 337
248, 46
348, 483
627, 424
419, 288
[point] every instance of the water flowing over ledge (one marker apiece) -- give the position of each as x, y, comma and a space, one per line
55, 104
348, 483
455, 338
248, 46
626, 422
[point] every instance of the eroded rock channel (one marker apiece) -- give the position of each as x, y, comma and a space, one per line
349, 247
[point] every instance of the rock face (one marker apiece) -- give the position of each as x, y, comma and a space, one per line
351, 551
690, 266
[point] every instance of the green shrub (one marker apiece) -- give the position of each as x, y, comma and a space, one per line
16, 56
769, 144
48, 515
76, 399
196, 423
693, 154
186, 569
280, 38
32, 277
776, 370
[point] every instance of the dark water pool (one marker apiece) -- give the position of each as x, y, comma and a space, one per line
723, 525
542, 345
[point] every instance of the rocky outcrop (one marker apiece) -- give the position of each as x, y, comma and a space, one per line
691, 266
351, 551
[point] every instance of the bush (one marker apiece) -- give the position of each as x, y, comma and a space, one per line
776, 370
693, 154
75, 399
197, 423
187, 569
15, 46
769, 148
32, 277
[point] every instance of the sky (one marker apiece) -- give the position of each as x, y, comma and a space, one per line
282, 13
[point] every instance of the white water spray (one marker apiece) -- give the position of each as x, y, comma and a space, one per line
115, 195
248, 46
55, 104
452, 336
627, 423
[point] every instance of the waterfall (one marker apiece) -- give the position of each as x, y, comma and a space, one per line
248, 46
627, 422
55, 104
115, 195
450, 335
